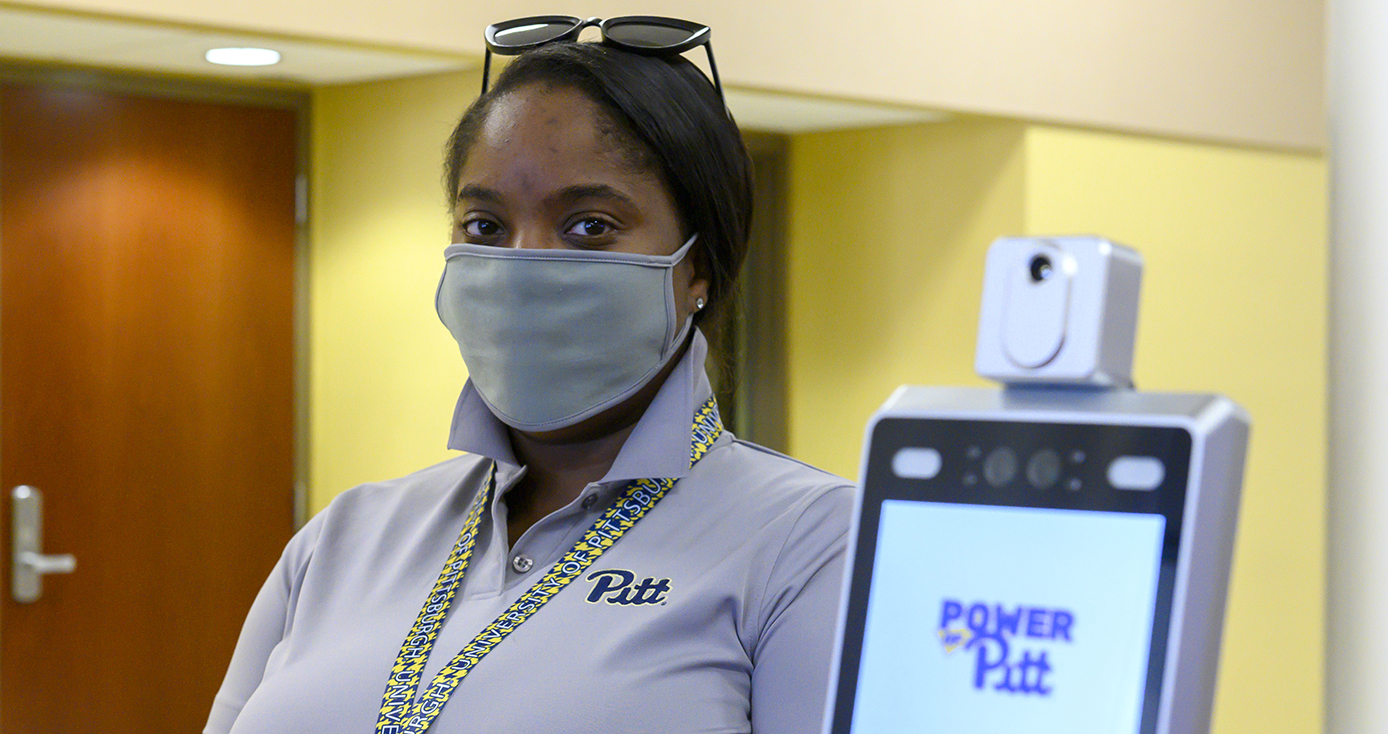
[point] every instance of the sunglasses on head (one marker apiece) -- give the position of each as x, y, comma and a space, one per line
648, 35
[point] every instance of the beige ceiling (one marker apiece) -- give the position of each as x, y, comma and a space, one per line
120, 44
117, 44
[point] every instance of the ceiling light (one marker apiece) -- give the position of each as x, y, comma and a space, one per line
243, 56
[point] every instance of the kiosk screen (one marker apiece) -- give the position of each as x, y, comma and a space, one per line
1028, 596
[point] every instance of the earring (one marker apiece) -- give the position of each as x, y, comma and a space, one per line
699, 304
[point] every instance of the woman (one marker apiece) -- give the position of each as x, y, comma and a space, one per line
602, 201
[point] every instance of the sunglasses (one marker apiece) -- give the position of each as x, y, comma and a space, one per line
648, 35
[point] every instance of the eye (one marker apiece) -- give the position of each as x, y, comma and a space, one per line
591, 227
479, 228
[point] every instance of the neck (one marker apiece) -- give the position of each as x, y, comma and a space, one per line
573, 464
556, 473
559, 464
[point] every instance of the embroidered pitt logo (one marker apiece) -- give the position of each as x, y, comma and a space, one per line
616, 586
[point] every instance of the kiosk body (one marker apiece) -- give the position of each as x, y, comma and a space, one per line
1039, 560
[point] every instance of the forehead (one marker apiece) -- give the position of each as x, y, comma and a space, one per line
540, 136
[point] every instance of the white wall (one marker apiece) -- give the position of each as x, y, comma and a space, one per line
1357, 594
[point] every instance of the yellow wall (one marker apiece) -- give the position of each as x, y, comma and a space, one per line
888, 235
383, 372
885, 268
1234, 301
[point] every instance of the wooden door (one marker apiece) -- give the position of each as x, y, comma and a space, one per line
146, 387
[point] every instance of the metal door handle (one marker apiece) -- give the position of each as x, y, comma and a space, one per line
29, 563
41, 564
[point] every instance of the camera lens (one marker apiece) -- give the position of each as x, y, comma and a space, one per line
1040, 268
1043, 468
1000, 466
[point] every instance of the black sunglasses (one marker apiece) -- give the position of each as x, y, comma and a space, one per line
648, 35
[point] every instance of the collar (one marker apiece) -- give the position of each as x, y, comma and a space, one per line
658, 446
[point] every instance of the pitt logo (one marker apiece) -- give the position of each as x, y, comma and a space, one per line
615, 587
993, 634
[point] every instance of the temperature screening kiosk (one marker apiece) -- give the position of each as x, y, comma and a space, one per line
1051, 557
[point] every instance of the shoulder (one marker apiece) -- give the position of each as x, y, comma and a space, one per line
747, 475
423, 487
785, 508
364, 513
793, 522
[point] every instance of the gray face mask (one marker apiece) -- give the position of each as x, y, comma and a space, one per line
553, 337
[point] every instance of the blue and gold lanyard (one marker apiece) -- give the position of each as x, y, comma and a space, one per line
400, 712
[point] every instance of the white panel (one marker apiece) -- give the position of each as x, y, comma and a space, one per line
1357, 588
916, 463
1141, 473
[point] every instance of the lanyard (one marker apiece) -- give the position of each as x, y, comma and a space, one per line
400, 712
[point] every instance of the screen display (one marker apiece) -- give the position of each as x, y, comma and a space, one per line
988, 619
1012, 577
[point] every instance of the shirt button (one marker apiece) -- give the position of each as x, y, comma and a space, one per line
589, 501
522, 564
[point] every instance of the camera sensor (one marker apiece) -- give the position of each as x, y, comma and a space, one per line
1043, 469
1000, 466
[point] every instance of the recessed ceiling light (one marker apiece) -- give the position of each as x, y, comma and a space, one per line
243, 56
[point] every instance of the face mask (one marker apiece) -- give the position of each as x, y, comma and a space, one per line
553, 337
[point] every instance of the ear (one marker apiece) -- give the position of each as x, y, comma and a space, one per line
698, 295
698, 282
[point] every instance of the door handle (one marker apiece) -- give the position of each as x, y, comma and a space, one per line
29, 564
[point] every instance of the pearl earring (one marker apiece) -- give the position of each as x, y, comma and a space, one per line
698, 304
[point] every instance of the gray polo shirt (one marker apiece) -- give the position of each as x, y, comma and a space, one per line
714, 614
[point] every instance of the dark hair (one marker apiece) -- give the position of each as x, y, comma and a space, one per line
672, 117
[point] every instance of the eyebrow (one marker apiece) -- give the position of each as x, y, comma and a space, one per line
479, 193
577, 192
566, 195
